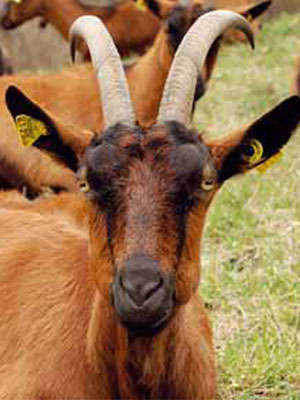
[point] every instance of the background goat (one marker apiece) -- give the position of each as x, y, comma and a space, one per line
146, 80
250, 10
131, 28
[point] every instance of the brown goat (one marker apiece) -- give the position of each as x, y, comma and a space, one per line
80, 105
112, 310
131, 28
69, 205
249, 9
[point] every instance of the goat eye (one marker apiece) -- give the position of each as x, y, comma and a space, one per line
84, 186
207, 184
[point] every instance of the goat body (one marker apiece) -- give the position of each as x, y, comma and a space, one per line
131, 28
73, 319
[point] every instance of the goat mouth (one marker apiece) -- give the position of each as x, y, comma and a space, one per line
149, 329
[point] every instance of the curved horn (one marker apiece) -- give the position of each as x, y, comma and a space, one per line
116, 102
178, 95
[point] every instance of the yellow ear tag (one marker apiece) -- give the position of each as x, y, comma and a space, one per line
30, 129
271, 161
140, 4
16, 1
257, 150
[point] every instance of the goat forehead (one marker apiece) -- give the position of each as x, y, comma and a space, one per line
168, 146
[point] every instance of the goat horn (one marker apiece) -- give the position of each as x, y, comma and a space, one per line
178, 95
116, 102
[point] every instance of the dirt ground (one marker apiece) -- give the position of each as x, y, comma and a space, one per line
32, 49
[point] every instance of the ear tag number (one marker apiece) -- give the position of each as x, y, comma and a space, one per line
30, 129
140, 4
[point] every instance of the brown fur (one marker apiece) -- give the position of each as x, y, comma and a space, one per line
154, 66
69, 205
60, 334
20, 165
241, 6
66, 312
131, 28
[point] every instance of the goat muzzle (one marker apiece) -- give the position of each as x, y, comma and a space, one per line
143, 295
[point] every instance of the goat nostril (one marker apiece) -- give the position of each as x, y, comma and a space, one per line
122, 283
140, 291
153, 288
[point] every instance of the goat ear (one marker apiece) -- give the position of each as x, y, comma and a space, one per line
261, 141
37, 128
255, 11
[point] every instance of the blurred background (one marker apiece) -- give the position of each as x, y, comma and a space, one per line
26, 45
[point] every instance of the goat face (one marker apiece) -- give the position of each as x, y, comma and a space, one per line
146, 184
149, 190
19, 11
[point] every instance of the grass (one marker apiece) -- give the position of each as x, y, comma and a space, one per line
251, 250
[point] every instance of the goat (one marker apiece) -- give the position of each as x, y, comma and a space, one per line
249, 10
67, 204
25, 166
113, 311
132, 29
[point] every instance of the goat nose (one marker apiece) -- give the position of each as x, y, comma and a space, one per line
143, 295
140, 285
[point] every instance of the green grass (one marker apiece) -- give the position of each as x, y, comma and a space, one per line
251, 249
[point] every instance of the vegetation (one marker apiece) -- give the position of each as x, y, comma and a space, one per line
251, 251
